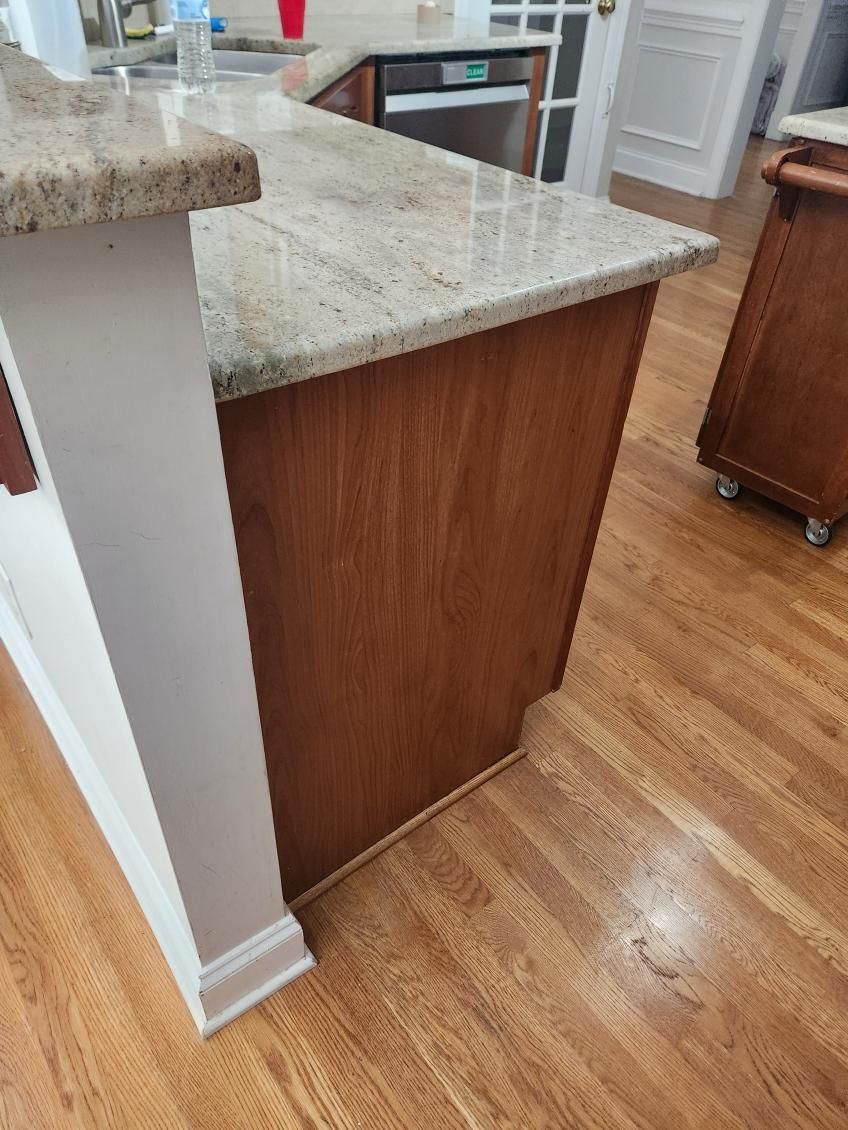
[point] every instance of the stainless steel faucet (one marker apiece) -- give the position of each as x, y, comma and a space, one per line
111, 14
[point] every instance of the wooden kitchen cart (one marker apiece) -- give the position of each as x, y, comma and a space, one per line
777, 419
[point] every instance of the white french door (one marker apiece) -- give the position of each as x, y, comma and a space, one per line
577, 124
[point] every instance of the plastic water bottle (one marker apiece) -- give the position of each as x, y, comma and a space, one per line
195, 63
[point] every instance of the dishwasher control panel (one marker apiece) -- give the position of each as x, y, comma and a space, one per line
453, 74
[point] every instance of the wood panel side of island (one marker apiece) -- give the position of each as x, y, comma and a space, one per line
414, 537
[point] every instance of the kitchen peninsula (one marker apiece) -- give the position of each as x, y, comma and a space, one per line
420, 368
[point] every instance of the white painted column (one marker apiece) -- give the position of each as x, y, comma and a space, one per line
104, 329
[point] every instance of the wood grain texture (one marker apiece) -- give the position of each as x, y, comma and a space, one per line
538, 55
16, 471
351, 96
413, 538
779, 409
621, 930
404, 830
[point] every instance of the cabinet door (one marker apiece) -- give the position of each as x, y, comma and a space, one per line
778, 415
352, 96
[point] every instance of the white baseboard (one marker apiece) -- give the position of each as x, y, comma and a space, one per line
669, 174
252, 971
221, 990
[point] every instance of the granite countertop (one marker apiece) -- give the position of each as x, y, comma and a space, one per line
830, 126
333, 45
366, 244
77, 153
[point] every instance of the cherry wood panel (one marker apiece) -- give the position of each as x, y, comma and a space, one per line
352, 95
538, 55
779, 410
413, 538
16, 470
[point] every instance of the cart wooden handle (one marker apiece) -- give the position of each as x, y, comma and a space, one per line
814, 177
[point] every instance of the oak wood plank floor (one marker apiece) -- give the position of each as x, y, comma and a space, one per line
644, 923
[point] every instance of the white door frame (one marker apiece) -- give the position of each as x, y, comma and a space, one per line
615, 85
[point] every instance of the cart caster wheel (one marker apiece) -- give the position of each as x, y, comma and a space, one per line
817, 533
727, 488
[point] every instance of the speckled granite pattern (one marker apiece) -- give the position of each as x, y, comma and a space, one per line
78, 153
366, 244
830, 126
334, 45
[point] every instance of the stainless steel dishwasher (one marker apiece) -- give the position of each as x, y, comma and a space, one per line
476, 106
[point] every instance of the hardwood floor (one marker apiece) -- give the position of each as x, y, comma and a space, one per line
644, 923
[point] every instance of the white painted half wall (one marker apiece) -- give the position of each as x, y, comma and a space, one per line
699, 72
122, 604
49, 625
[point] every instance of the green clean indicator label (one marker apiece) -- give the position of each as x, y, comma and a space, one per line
475, 70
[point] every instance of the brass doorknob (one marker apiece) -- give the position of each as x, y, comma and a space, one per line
606, 7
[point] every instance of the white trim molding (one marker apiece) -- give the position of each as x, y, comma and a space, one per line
792, 11
660, 170
712, 18
252, 971
222, 989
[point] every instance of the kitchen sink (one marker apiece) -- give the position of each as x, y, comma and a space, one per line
230, 66
250, 63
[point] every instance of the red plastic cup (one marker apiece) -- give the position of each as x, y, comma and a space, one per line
291, 17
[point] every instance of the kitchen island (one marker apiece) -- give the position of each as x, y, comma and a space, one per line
422, 366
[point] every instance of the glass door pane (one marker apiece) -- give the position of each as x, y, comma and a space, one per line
561, 89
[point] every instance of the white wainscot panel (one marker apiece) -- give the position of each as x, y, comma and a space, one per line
687, 54
681, 120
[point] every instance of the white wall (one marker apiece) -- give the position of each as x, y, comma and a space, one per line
108, 358
699, 72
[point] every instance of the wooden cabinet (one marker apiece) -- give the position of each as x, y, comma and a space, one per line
352, 96
16, 471
777, 419
414, 537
